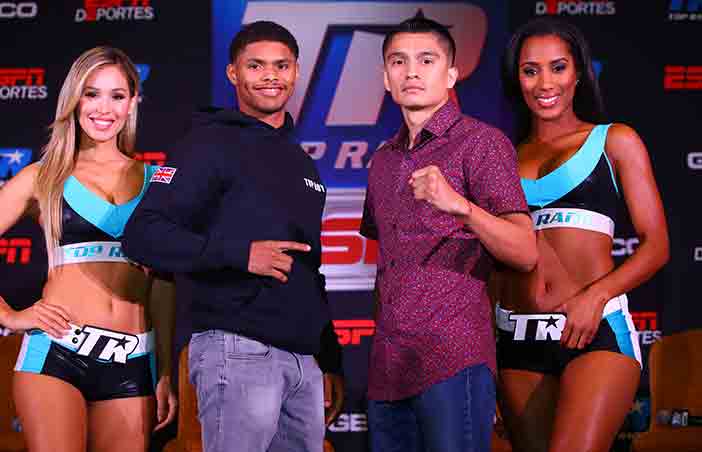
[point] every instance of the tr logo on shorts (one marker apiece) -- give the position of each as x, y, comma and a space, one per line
99, 343
538, 327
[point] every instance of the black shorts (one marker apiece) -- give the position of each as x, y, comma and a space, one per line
532, 341
101, 364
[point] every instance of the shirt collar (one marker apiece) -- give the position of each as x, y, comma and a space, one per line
438, 124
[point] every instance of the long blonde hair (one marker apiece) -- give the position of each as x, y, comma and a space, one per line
61, 152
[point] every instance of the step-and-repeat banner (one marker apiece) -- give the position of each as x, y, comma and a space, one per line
647, 60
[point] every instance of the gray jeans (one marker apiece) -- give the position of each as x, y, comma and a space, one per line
254, 397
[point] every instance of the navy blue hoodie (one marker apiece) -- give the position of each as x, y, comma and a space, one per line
234, 180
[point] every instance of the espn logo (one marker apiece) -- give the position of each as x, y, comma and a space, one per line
343, 245
682, 78
152, 158
350, 332
114, 10
22, 83
12, 248
18, 10
645, 320
348, 258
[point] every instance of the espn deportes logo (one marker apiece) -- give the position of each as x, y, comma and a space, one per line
576, 8
646, 323
685, 10
152, 158
115, 10
694, 160
22, 83
350, 332
682, 78
350, 422
18, 10
16, 250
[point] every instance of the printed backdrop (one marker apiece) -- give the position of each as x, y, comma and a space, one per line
647, 59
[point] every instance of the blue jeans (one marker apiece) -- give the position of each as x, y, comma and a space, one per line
454, 415
253, 397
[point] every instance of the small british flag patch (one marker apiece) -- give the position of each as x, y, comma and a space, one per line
164, 175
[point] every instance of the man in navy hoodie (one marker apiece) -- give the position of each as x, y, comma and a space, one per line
236, 215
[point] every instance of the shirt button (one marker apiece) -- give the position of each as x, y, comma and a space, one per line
394, 226
392, 263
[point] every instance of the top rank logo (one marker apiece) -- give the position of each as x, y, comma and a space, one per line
22, 83
685, 10
115, 10
576, 8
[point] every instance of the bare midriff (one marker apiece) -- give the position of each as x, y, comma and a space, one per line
570, 259
104, 294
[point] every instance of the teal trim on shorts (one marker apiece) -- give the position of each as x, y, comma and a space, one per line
154, 371
37, 348
619, 325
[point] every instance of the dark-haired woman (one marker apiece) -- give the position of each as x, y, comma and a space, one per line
568, 354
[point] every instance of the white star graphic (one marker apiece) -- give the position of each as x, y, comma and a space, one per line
15, 157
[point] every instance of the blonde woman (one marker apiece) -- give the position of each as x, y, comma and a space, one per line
86, 375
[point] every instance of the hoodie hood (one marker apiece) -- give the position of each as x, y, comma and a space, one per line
208, 116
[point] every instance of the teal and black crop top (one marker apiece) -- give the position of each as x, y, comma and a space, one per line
92, 226
581, 193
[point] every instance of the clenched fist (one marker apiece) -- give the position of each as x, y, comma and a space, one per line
430, 185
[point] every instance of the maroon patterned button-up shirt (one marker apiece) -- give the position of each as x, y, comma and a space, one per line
433, 316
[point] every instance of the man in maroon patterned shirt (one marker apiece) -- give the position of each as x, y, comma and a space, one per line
444, 202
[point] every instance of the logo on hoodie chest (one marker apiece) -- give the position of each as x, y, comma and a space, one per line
309, 183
